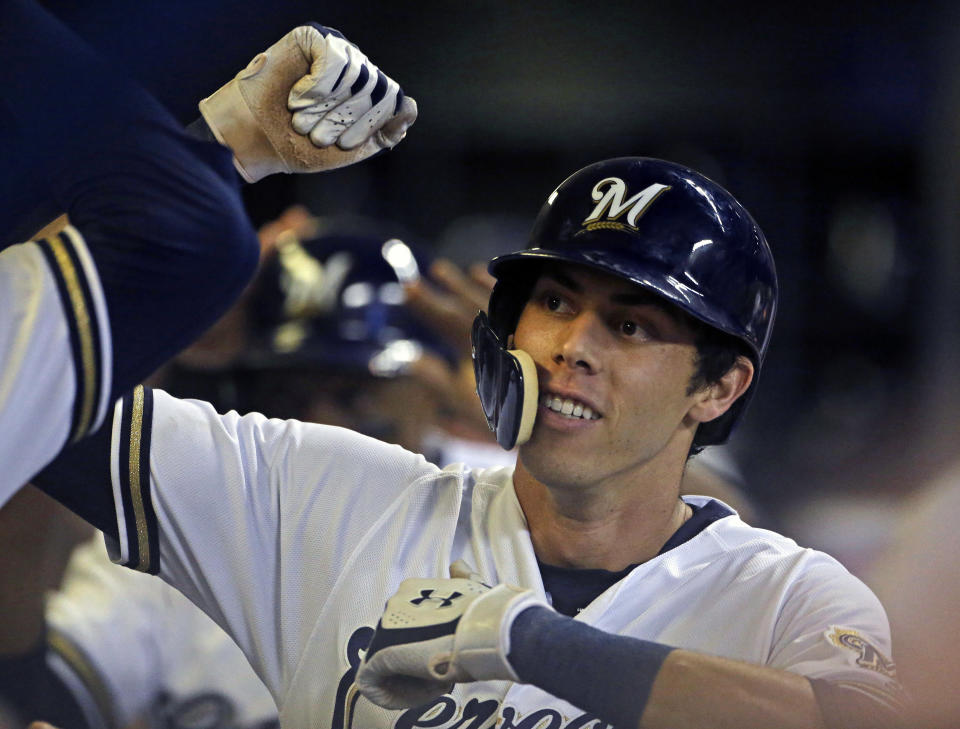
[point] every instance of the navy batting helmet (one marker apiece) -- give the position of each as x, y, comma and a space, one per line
663, 227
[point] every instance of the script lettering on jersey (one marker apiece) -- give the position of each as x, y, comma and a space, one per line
346, 690
869, 656
609, 194
442, 713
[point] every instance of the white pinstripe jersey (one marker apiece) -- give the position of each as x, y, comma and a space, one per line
292, 536
54, 353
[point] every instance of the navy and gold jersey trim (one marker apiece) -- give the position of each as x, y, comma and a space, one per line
83, 668
81, 314
132, 477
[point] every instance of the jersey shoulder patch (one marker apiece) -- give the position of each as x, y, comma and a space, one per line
867, 655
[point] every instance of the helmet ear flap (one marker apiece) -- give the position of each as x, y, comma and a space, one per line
506, 383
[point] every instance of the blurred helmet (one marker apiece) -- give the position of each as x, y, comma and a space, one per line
665, 228
337, 302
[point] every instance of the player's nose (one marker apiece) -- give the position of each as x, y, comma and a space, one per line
578, 344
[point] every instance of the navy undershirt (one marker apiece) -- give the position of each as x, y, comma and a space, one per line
571, 590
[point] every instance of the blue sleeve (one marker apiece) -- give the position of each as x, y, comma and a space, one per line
159, 210
622, 668
80, 479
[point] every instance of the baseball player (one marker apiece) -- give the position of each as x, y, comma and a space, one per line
157, 244
574, 590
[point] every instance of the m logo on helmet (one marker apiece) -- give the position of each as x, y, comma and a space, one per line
609, 195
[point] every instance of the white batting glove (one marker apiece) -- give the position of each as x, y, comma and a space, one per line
437, 632
310, 102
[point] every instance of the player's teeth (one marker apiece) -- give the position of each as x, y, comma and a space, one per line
567, 407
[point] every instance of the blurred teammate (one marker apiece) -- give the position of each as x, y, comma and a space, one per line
157, 244
627, 337
333, 341
136, 652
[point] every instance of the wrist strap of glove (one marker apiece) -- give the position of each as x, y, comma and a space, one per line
233, 124
473, 653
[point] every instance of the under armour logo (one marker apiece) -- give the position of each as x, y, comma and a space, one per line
428, 596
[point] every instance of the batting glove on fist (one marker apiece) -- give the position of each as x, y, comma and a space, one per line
310, 102
437, 632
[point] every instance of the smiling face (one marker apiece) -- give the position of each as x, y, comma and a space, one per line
614, 364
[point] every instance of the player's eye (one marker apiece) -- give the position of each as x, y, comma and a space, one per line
632, 329
553, 301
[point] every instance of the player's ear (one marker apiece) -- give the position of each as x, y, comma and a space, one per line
713, 400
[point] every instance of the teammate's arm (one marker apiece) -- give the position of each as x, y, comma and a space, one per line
158, 244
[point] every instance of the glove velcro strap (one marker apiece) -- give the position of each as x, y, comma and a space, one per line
233, 124
482, 640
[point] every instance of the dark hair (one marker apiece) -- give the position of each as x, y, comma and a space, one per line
717, 353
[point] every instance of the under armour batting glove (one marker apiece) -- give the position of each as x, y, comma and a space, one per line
310, 102
437, 632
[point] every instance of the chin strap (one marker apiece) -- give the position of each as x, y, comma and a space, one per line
506, 384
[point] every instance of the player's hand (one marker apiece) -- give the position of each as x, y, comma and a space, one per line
449, 300
311, 102
437, 632
345, 99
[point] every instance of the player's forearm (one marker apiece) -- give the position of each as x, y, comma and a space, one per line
697, 690
636, 683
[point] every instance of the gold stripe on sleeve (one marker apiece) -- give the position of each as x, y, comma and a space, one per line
136, 493
82, 318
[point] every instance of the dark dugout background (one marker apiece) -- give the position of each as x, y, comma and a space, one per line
834, 123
